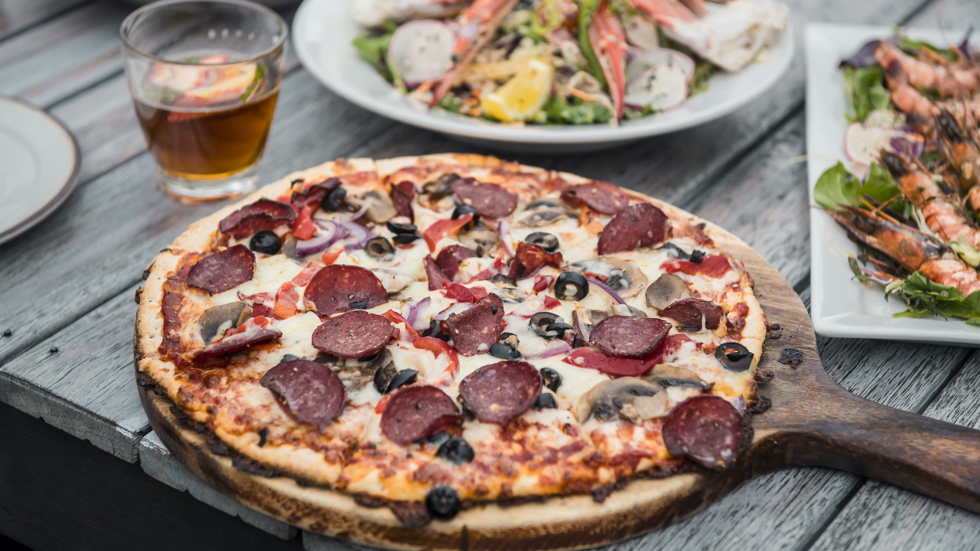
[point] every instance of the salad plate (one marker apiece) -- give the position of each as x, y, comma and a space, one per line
323, 31
840, 305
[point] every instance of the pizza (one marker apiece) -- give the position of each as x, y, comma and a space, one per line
431, 333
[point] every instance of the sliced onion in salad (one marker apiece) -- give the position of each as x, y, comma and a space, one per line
641, 31
864, 141
658, 78
422, 50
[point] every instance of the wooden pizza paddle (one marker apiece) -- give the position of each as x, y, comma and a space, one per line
812, 422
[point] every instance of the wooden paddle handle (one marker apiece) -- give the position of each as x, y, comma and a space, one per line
928, 456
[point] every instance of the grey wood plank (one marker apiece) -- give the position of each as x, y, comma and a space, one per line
57, 58
86, 388
158, 462
16, 15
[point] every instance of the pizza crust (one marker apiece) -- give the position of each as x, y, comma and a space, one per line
300, 462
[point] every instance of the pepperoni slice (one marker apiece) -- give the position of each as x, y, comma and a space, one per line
501, 392
402, 196
689, 312
417, 411
339, 288
220, 271
353, 334
601, 197
264, 214
451, 257
309, 392
489, 200
474, 330
641, 225
314, 193
234, 343
530, 258
706, 429
628, 336
626, 367
711, 266
434, 274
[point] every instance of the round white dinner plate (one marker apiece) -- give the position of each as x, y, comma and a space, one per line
323, 31
39, 163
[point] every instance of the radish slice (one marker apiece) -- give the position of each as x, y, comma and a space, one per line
662, 88
862, 144
422, 50
641, 32
659, 57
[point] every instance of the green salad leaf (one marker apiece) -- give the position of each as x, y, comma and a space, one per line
562, 111
586, 9
866, 90
372, 46
837, 188
703, 70
912, 46
926, 298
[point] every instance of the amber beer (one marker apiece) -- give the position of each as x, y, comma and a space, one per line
211, 142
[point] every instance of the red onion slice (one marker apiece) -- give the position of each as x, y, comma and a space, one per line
503, 232
551, 350
326, 236
414, 309
457, 308
604, 287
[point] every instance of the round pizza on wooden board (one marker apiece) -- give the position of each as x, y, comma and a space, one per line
423, 351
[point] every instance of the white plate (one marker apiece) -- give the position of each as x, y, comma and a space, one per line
39, 162
323, 31
840, 305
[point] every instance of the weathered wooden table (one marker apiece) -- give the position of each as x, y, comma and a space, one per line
80, 466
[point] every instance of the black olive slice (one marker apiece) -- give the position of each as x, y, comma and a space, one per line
379, 247
546, 401
383, 377
463, 210
571, 286
697, 256
334, 201
441, 186
504, 351
544, 240
739, 360
401, 229
442, 502
558, 329
540, 322
358, 304
552, 379
289, 358
437, 329
437, 439
265, 242
405, 238
503, 278
402, 378
510, 339
370, 358
456, 450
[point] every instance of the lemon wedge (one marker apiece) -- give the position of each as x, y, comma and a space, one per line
523, 95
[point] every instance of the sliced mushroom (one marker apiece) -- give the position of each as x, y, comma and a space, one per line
544, 212
440, 187
480, 239
622, 276
217, 320
627, 397
394, 281
664, 376
379, 206
666, 290
506, 289
627, 310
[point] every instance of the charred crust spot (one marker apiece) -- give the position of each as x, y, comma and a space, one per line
600, 494
216, 446
369, 501
145, 380
763, 376
263, 435
410, 513
791, 357
250, 466
761, 404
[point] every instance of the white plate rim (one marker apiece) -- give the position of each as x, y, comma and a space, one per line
825, 234
6, 234
495, 132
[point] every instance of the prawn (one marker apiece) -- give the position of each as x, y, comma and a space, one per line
946, 218
960, 146
947, 81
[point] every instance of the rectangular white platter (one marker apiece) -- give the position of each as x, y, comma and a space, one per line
840, 305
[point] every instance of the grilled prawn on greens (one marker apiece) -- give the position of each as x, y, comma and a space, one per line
561, 61
910, 194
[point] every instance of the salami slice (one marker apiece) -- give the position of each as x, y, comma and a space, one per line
223, 270
402, 196
309, 392
339, 288
235, 343
706, 429
601, 197
474, 330
530, 258
628, 336
416, 412
353, 334
501, 392
451, 257
489, 200
264, 214
641, 225
314, 193
690, 312
434, 274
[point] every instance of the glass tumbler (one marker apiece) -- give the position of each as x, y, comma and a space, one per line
204, 76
